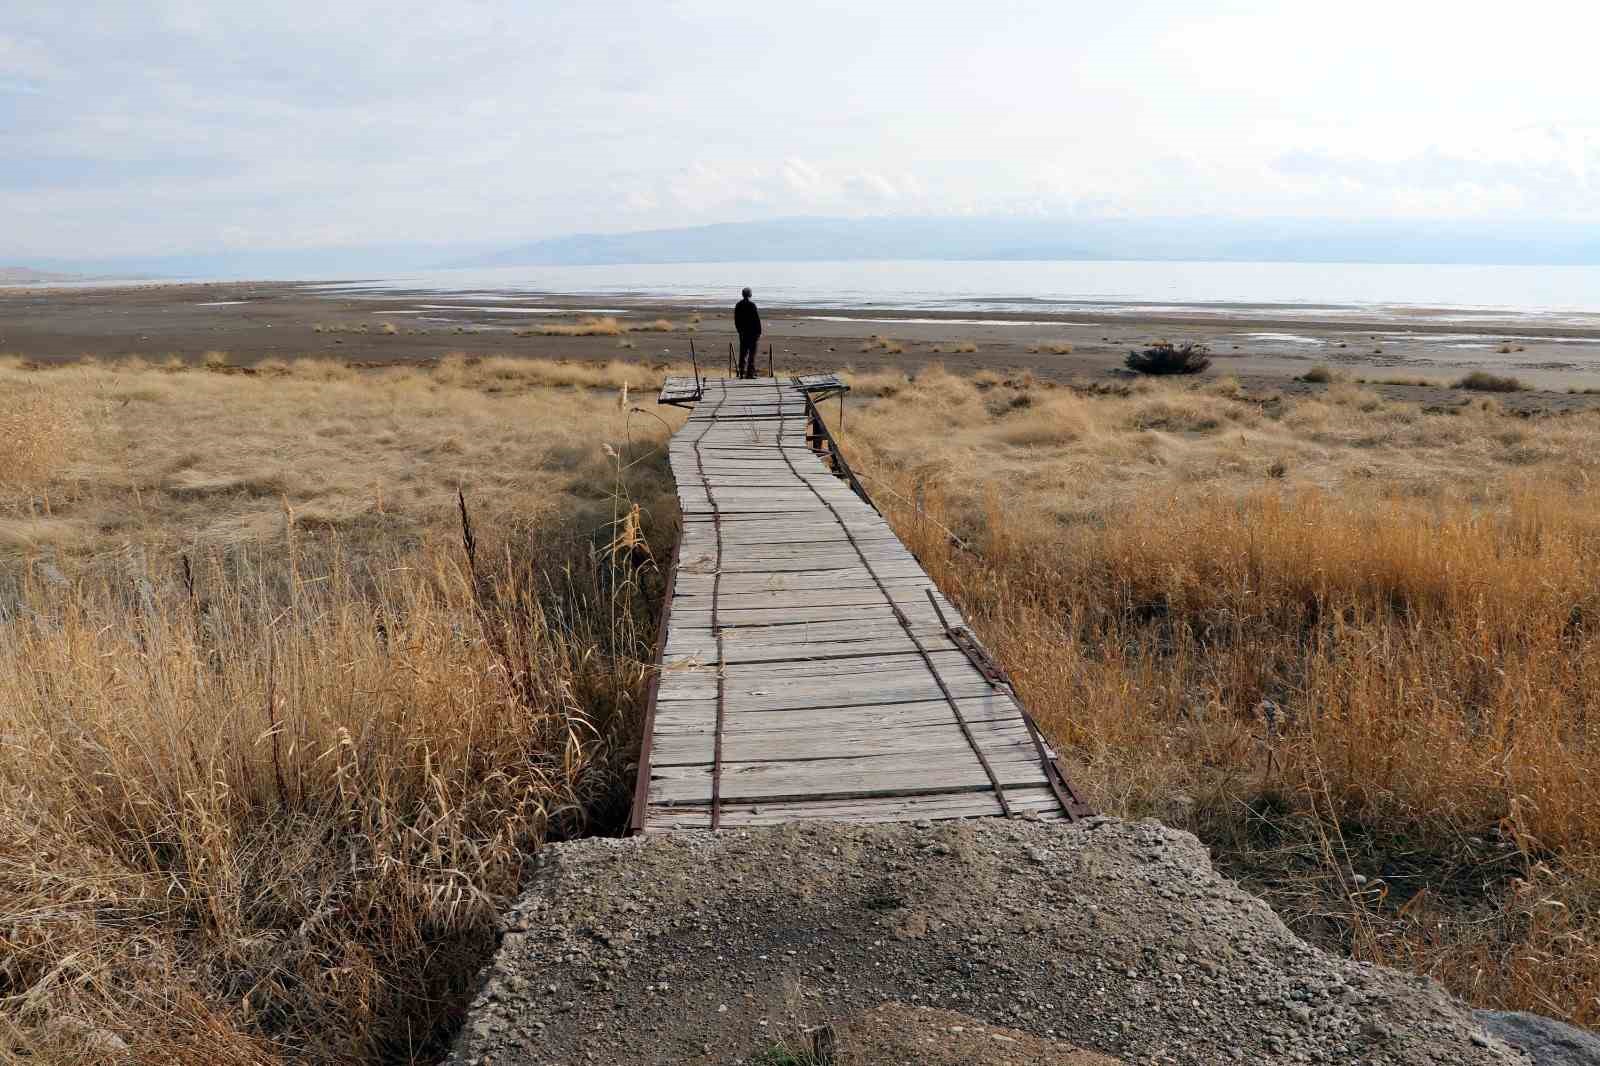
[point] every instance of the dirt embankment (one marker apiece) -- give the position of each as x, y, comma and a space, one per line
976, 942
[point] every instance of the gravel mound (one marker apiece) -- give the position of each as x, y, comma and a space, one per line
1108, 936
896, 1032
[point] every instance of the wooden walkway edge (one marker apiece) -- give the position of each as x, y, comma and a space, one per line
807, 665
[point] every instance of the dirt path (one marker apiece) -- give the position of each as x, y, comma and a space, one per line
1109, 937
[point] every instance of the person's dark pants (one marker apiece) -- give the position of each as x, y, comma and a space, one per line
747, 354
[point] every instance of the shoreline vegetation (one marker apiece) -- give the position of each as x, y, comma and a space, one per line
279, 745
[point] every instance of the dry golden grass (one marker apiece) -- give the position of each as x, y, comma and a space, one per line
1350, 644
175, 460
660, 325
1051, 348
40, 430
959, 348
273, 751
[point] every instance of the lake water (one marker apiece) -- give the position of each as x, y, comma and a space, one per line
1470, 295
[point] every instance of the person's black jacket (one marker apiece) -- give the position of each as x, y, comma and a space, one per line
746, 319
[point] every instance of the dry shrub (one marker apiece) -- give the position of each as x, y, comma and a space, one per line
955, 348
660, 325
588, 326
1052, 348
879, 343
1164, 357
1483, 381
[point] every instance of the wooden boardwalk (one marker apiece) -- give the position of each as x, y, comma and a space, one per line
809, 668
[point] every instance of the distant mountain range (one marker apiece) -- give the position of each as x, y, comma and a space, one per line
15, 275
1293, 240
964, 238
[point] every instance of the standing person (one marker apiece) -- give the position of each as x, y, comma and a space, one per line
747, 320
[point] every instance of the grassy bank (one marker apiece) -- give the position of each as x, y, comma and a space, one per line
1351, 644
276, 749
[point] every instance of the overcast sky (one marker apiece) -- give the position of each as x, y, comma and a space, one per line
164, 126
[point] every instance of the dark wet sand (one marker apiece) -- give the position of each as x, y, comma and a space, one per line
278, 320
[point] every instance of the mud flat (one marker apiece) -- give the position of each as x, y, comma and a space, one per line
1265, 346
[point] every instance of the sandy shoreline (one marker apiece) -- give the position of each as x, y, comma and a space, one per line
1264, 346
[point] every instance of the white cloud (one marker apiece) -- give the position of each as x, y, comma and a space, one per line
158, 126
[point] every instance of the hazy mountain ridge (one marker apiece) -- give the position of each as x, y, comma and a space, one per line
21, 275
816, 239
835, 239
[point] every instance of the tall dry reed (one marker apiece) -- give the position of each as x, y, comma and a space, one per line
263, 797
1378, 705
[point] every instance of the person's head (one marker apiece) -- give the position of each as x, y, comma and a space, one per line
747, 292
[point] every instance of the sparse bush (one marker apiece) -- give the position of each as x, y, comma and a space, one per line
1164, 357
1318, 375
1483, 381
1057, 348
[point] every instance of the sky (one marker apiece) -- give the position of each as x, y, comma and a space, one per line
164, 126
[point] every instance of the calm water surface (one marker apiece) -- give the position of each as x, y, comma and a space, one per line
1433, 293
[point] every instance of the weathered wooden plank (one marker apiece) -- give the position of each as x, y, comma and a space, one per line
1033, 801
692, 716
887, 775
806, 742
